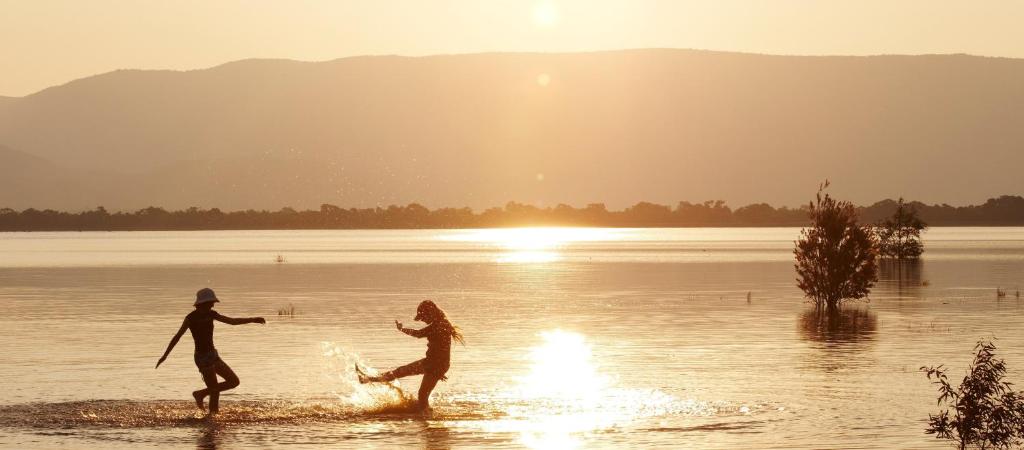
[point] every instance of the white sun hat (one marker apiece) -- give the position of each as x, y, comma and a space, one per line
205, 295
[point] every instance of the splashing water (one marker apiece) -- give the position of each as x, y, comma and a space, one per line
371, 398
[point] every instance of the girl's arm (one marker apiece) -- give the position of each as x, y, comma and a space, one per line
241, 321
421, 333
174, 341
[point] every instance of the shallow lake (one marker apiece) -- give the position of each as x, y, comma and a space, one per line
575, 338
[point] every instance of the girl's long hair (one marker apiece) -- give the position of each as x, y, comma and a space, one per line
440, 316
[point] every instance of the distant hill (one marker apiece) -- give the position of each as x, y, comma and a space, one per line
25, 178
478, 130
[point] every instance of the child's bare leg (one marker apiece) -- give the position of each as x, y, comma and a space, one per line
426, 387
210, 378
414, 368
231, 381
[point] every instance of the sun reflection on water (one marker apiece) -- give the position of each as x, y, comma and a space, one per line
528, 257
563, 368
565, 396
532, 245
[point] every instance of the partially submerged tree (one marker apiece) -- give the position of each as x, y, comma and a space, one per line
984, 411
836, 256
899, 236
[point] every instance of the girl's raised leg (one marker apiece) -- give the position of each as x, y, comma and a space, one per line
408, 370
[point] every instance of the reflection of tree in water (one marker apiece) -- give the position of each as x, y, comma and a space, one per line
904, 278
838, 325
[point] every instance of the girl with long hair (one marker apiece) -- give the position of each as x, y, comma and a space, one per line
439, 333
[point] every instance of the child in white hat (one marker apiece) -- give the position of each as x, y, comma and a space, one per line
200, 323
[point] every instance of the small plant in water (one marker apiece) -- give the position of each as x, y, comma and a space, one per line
1000, 293
984, 411
287, 311
279, 259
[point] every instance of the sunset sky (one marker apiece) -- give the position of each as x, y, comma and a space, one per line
48, 42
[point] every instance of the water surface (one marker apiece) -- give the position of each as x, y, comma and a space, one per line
576, 338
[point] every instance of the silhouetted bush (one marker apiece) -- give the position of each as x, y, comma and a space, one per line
984, 411
836, 256
899, 236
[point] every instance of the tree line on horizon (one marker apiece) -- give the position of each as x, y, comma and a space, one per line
1006, 210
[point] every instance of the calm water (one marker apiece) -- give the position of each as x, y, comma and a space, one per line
576, 338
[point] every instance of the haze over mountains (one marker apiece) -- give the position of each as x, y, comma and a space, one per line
480, 130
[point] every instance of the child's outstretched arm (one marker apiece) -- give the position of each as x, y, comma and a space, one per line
412, 331
239, 321
174, 341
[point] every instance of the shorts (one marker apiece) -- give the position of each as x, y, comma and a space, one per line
207, 360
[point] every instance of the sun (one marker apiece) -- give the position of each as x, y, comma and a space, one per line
545, 14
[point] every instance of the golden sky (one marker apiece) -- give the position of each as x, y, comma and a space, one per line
48, 42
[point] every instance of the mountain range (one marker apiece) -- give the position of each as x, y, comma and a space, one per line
479, 130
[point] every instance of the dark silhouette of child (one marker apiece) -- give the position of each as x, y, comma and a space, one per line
439, 333
200, 323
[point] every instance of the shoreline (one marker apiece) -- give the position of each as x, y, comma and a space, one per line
499, 227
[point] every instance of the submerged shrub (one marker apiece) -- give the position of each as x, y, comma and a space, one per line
899, 236
836, 256
984, 411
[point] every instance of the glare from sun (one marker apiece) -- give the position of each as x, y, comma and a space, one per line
532, 245
567, 391
528, 257
562, 367
533, 238
545, 14
543, 80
